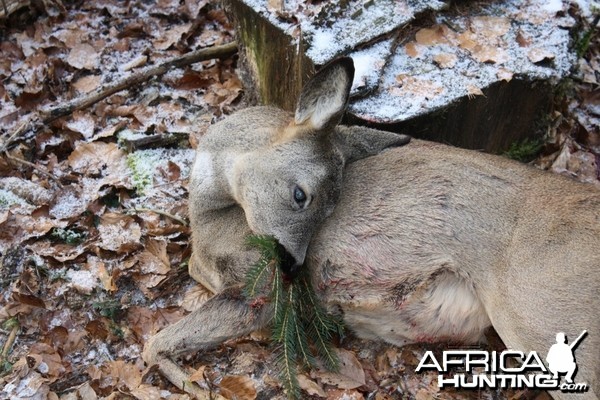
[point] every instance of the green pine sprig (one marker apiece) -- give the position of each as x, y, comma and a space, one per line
299, 320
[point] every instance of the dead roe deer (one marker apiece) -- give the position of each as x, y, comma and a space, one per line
416, 242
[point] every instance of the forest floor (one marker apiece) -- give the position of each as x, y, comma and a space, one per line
93, 207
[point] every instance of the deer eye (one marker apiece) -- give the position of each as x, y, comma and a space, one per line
299, 196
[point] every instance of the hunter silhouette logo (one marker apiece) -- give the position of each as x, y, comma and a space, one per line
560, 357
509, 368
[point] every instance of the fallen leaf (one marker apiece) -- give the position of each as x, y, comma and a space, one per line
504, 74
154, 258
171, 36
237, 387
83, 56
351, 374
412, 85
82, 122
146, 392
445, 60
489, 54
87, 84
195, 297
119, 233
490, 27
537, 55
411, 49
311, 387
136, 62
473, 91
96, 157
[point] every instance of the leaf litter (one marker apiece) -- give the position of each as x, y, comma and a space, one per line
90, 271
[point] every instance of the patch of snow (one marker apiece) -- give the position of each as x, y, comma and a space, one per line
553, 6
587, 7
113, 236
357, 23
43, 368
145, 165
83, 281
8, 199
393, 102
368, 64
130, 352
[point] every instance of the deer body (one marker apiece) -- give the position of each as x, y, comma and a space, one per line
411, 243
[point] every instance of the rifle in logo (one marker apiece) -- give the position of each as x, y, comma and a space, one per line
560, 357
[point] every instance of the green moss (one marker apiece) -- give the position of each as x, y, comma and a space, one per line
525, 150
110, 309
68, 236
141, 175
8, 199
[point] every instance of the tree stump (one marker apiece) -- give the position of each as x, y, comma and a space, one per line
479, 75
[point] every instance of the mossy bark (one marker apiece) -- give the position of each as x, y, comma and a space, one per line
274, 68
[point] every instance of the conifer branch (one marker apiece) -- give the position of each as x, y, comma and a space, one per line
296, 312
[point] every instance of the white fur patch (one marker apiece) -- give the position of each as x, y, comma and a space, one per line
204, 169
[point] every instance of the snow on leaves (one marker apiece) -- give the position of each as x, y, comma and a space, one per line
90, 270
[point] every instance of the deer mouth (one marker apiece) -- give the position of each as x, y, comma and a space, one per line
289, 266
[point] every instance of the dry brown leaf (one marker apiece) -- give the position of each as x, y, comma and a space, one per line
83, 56
171, 36
416, 86
504, 74
126, 373
445, 60
309, 386
49, 362
92, 158
154, 258
146, 392
195, 297
198, 375
97, 265
339, 394
119, 233
135, 63
70, 37
412, 49
473, 91
87, 84
490, 27
58, 251
110, 130
537, 55
489, 54
82, 122
237, 387
86, 392
431, 36
467, 40
522, 40
351, 374
275, 5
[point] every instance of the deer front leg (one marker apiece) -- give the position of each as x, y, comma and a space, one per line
225, 316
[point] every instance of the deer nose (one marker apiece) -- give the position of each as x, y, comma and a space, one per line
289, 266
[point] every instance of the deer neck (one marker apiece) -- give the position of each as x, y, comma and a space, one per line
214, 180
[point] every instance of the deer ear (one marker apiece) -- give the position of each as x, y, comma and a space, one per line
356, 142
324, 98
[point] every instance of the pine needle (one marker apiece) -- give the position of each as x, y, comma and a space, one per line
297, 315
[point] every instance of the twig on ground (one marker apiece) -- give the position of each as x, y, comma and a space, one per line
36, 167
10, 340
50, 114
163, 213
